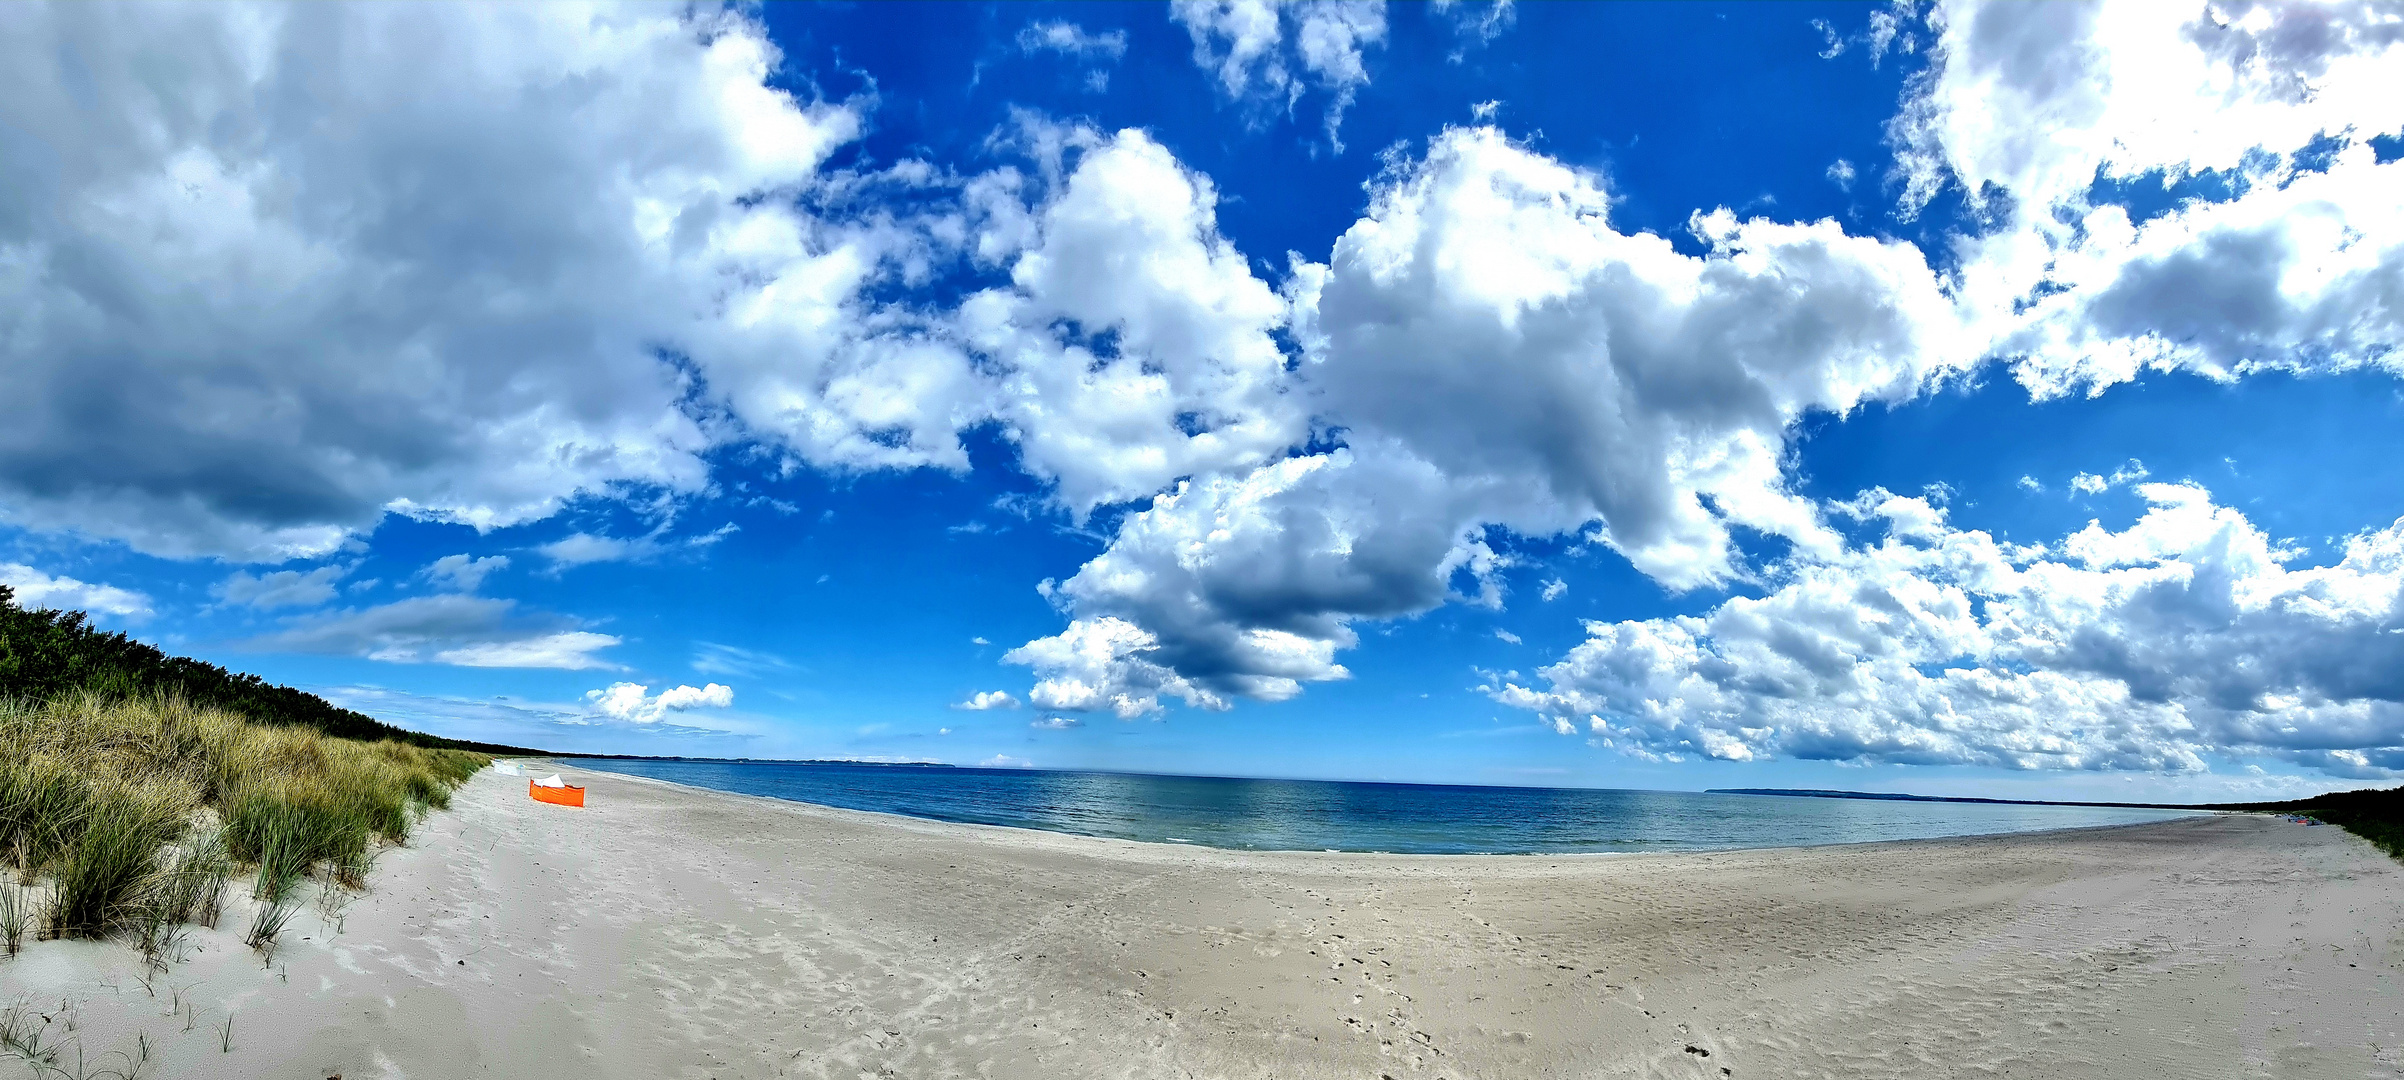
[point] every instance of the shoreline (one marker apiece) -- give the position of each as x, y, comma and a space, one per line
673, 931
896, 815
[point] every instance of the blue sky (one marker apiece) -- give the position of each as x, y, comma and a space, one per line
1969, 398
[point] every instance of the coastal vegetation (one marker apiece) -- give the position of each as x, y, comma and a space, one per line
133, 784
2375, 814
126, 816
49, 655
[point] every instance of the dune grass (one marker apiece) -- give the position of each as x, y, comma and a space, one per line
16, 917
135, 810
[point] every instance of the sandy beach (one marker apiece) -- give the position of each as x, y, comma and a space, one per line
668, 932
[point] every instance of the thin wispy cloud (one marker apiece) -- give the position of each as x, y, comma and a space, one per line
712, 658
279, 588
465, 631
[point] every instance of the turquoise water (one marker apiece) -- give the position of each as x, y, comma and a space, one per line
1315, 815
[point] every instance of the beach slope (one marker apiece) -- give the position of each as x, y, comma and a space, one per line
668, 932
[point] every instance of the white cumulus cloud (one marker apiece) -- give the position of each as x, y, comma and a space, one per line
35, 589
2188, 633
2087, 483
1272, 51
2038, 99
1499, 357
1170, 368
1486, 316
634, 702
2035, 110
1105, 663
463, 573
988, 699
231, 334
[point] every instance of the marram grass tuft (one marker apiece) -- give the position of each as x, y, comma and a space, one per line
136, 808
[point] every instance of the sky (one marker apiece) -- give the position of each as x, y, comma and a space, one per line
1980, 398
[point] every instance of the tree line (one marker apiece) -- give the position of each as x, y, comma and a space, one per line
46, 655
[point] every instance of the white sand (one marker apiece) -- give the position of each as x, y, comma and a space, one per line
666, 932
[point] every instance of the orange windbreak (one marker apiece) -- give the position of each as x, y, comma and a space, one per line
564, 796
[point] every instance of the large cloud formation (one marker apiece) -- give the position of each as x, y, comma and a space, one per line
1494, 356
468, 263
634, 702
422, 258
2185, 634
1498, 356
2046, 113
1168, 366
33, 589
2189, 633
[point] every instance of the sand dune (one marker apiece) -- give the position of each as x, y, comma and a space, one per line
665, 932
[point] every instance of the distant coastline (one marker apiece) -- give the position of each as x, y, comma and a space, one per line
1891, 796
756, 761
2375, 814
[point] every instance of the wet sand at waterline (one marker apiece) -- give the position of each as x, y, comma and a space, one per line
672, 932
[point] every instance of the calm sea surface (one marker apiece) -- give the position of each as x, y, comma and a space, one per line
1314, 815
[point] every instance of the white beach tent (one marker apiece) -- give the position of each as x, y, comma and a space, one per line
511, 768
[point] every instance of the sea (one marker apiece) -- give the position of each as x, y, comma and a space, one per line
1325, 815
